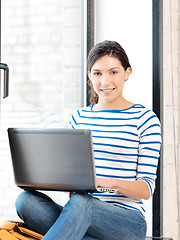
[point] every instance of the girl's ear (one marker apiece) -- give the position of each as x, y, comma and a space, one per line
128, 72
89, 75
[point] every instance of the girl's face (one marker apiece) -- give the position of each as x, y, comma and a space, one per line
108, 76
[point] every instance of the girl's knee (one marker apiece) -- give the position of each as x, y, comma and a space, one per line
81, 199
26, 199
21, 199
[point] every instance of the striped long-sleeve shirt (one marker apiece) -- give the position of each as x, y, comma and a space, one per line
126, 146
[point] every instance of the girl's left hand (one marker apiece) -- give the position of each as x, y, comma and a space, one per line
106, 182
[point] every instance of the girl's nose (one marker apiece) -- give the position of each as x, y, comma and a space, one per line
105, 80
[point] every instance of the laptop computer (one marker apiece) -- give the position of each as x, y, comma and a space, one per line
54, 159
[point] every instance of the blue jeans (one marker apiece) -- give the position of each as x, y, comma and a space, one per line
82, 218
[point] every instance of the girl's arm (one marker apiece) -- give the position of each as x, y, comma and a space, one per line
132, 189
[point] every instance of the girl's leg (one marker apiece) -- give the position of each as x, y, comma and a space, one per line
85, 214
37, 210
88, 237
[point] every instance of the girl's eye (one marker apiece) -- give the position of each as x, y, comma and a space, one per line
114, 72
97, 73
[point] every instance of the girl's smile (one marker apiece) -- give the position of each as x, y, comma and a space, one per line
107, 91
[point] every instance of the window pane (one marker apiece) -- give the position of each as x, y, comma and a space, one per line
41, 42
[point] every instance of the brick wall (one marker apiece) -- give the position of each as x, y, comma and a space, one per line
41, 43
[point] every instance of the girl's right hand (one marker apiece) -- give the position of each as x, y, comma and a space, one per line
70, 194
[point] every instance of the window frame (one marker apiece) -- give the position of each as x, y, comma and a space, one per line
88, 27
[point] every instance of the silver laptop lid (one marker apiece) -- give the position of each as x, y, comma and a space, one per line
53, 159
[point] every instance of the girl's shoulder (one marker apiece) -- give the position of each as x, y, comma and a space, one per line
140, 111
140, 107
144, 111
148, 120
82, 109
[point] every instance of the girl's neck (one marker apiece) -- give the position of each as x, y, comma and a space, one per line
123, 104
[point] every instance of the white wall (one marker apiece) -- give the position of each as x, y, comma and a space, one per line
130, 23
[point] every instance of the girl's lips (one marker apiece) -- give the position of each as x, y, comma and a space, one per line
107, 90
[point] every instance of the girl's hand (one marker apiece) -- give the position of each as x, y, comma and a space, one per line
70, 194
133, 189
106, 182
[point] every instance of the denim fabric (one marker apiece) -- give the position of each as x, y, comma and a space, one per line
82, 218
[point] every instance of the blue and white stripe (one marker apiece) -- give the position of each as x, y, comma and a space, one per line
126, 146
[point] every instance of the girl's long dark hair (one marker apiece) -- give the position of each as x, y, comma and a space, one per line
110, 48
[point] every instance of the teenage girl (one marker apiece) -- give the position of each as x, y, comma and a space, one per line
126, 139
